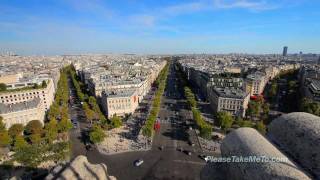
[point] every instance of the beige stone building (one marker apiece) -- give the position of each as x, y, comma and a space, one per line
22, 112
120, 102
16, 96
234, 101
255, 83
10, 78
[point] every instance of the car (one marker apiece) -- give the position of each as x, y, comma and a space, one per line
189, 153
88, 147
138, 162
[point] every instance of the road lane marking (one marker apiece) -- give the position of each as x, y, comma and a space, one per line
189, 162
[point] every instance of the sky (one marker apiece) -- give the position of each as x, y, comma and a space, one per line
56, 27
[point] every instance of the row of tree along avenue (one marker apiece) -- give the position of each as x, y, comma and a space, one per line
34, 143
204, 127
160, 83
94, 115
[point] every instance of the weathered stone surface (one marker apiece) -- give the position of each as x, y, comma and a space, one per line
80, 168
299, 135
248, 142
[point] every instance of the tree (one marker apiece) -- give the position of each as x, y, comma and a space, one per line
44, 84
64, 112
206, 131
34, 127
53, 111
19, 143
224, 119
3, 87
266, 108
92, 101
91, 115
97, 134
16, 130
51, 130
35, 86
253, 109
116, 121
273, 90
5, 139
261, 127
30, 156
35, 138
64, 125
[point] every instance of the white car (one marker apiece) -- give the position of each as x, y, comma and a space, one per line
138, 162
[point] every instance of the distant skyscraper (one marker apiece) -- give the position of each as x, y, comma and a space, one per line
319, 61
285, 51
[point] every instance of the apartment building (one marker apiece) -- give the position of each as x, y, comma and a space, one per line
232, 100
119, 102
22, 112
23, 92
255, 83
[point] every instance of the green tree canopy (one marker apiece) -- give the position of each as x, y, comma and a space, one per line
97, 134
273, 90
3, 87
54, 111
261, 127
51, 130
5, 139
224, 119
64, 125
34, 127
116, 121
44, 84
35, 138
19, 143
15, 130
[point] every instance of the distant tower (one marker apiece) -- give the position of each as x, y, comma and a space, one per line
285, 51
319, 61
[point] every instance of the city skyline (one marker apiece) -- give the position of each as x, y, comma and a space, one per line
161, 27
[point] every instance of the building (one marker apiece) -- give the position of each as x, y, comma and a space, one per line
309, 77
23, 92
285, 51
312, 90
22, 112
119, 102
255, 83
234, 101
10, 78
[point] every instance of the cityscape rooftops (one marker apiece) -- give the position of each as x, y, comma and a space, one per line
120, 93
228, 92
4, 109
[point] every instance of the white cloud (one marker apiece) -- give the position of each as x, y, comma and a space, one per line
256, 5
185, 8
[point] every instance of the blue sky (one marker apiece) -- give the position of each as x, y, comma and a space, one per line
159, 26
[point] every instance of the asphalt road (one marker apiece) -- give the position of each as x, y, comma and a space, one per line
174, 134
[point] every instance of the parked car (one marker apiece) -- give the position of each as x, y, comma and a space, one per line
189, 153
88, 147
